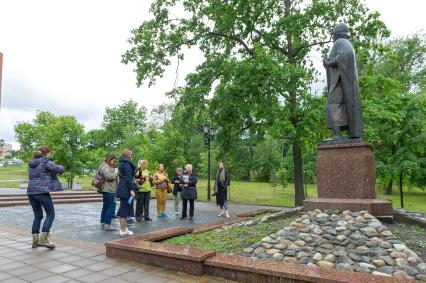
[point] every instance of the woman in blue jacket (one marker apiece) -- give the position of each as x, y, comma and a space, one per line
126, 189
43, 179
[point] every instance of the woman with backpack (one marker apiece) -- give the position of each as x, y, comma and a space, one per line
43, 179
108, 190
126, 190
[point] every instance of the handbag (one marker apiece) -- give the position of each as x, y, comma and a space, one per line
98, 181
169, 189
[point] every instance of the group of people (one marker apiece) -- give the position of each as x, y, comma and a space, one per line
129, 182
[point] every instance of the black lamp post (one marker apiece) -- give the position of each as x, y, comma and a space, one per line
208, 137
73, 145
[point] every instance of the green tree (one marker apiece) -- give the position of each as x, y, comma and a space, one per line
48, 129
123, 122
393, 86
255, 56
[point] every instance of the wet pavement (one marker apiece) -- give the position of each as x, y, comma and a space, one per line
76, 261
82, 221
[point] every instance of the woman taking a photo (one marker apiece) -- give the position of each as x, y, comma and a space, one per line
126, 190
43, 179
189, 191
108, 191
161, 181
144, 192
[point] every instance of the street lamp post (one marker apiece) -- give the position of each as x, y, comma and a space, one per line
73, 145
209, 133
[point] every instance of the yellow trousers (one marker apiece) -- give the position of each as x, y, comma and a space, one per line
161, 195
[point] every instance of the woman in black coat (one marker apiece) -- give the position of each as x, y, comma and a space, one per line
221, 185
189, 192
126, 189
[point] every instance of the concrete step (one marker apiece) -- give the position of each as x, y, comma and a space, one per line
55, 201
25, 197
83, 193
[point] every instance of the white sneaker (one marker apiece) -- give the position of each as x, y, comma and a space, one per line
177, 213
220, 214
227, 214
126, 233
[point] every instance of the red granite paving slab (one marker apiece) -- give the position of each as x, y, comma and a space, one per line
164, 234
251, 270
153, 248
189, 260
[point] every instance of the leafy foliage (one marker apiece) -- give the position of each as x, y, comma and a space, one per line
256, 70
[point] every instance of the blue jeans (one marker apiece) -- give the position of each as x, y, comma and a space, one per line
108, 207
38, 202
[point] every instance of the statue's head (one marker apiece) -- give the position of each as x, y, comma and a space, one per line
341, 30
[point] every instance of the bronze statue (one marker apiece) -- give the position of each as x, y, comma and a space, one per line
343, 108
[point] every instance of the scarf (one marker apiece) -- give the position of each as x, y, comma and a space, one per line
220, 177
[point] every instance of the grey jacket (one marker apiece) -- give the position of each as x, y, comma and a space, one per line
110, 174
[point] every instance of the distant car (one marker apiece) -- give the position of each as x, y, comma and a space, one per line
1, 164
14, 162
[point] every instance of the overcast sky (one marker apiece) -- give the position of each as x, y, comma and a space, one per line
65, 56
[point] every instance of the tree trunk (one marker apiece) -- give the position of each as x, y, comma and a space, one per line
388, 189
299, 194
401, 195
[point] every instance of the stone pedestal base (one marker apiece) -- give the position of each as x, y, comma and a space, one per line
346, 180
376, 207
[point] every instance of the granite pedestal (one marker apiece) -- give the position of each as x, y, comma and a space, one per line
346, 180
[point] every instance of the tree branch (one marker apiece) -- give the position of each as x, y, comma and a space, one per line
312, 44
273, 45
233, 37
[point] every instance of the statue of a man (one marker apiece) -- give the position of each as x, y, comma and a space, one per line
343, 104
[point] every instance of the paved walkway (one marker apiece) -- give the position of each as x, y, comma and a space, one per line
81, 221
75, 261
80, 253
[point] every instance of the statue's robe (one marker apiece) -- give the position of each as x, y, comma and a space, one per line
343, 109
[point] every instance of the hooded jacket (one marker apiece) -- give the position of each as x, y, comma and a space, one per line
43, 176
111, 175
126, 183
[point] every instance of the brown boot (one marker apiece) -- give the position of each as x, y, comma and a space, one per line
44, 241
35, 241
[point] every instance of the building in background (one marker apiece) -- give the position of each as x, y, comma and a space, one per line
5, 151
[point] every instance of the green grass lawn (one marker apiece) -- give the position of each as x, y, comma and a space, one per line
232, 240
13, 173
241, 192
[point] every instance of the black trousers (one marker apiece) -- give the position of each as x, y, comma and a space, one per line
185, 205
142, 204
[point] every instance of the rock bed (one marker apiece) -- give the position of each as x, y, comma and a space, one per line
354, 241
262, 219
